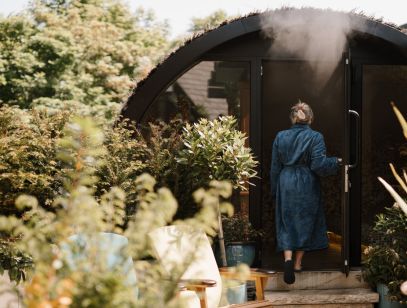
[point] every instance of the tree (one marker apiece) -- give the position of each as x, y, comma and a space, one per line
77, 52
208, 22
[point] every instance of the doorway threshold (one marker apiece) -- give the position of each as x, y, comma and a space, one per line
318, 280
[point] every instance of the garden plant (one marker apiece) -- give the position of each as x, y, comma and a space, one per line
386, 260
42, 234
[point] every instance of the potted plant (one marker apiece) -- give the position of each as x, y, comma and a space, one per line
240, 239
385, 265
213, 150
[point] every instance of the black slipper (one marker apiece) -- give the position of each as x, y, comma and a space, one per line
289, 276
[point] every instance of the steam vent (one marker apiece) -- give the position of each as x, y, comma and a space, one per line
347, 66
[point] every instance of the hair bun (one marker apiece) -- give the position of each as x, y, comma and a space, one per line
301, 114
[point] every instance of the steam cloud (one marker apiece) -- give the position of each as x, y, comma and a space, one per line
317, 36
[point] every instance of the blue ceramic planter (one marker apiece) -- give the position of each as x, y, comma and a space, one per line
240, 252
383, 301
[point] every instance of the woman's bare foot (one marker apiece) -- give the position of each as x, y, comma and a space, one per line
297, 268
298, 260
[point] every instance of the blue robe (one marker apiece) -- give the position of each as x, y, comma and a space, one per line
298, 160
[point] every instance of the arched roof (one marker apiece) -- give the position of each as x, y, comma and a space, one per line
187, 55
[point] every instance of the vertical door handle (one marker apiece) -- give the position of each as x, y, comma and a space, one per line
357, 140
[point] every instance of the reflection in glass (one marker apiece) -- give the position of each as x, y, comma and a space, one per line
210, 89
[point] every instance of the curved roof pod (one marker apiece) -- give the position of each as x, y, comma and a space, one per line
186, 56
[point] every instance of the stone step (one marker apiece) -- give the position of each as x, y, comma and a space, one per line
331, 298
318, 280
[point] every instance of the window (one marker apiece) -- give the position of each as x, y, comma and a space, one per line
382, 138
210, 89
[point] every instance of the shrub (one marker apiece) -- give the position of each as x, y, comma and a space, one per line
182, 158
127, 156
386, 260
213, 150
216, 150
238, 228
18, 264
28, 155
163, 145
29, 165
43, 234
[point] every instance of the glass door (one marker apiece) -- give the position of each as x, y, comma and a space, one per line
283, 84
382, 140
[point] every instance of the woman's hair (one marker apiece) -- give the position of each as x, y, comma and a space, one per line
301, 113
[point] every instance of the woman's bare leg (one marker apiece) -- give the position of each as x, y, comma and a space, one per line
298, 259
288, 255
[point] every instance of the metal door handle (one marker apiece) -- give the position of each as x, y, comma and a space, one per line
357, 159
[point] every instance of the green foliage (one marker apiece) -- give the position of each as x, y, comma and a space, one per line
127, 156
81, 151
84, 53
237, 228
43, 234
187, 157
163, 144
28, 155
18, 264
30, 165
386, 260
34, 162
29, 162
209, 22
103, 114
216, 150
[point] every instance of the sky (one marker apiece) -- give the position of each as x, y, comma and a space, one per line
179, 12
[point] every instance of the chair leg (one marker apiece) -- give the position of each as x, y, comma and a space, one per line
201, 292
202, 297
259, 288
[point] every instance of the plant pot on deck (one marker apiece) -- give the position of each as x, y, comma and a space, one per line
384, 302
240, 239
235, 292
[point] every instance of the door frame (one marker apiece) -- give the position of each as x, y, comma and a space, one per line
346, 146
345, 169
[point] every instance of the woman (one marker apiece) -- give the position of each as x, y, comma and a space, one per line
298, 160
